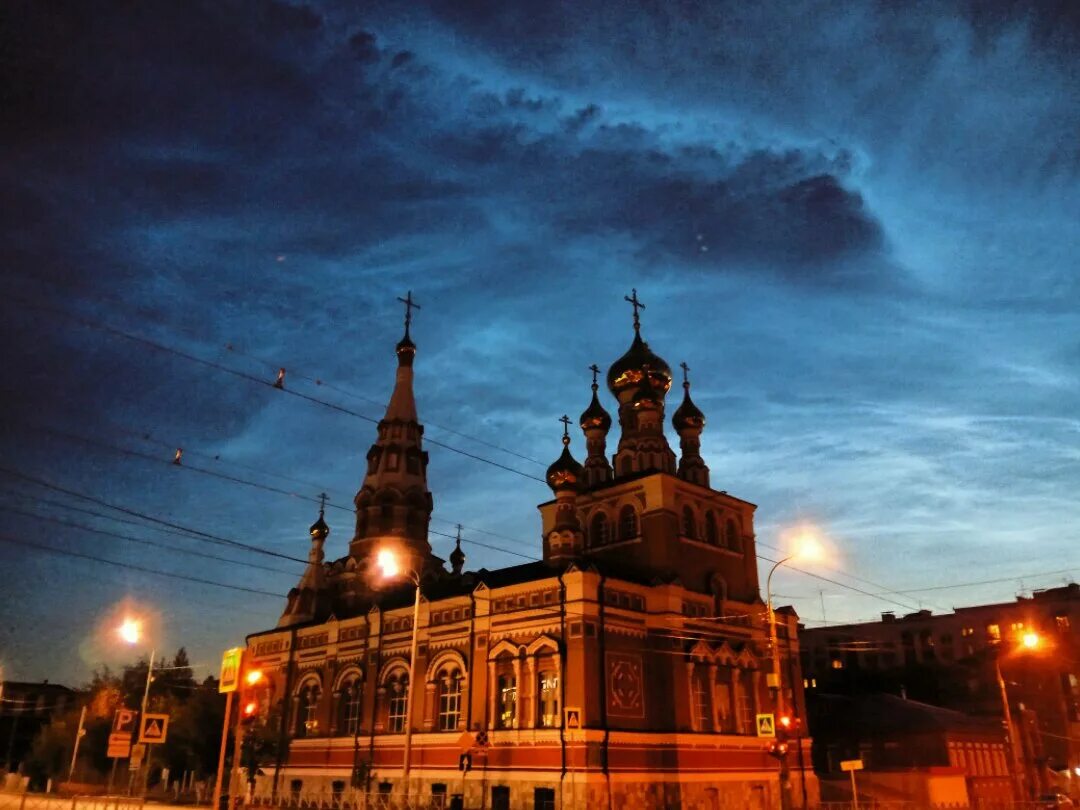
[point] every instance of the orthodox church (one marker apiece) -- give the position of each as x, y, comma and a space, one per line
625, 668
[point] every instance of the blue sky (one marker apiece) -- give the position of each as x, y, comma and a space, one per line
857, 224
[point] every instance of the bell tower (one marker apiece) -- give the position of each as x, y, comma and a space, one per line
394, 503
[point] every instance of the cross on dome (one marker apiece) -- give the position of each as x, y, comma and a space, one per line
632, 299
409, 305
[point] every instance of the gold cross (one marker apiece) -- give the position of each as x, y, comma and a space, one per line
636, 304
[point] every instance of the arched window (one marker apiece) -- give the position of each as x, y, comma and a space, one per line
506, 701
547, 688
628, 525
449, 684
350, 701
307, 706
732, 536
699, 697
689, 525
712, 530
600, 533
397, 693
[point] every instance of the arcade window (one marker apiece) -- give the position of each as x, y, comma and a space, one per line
398, 690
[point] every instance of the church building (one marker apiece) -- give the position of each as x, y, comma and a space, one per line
627, 667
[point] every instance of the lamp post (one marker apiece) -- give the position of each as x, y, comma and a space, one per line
806, 548
130, 631
1029, 642
388, 562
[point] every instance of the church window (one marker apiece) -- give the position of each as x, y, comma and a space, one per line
731, 539
689, 525
393, 459
628, 523
601, 530
386, 511
506, 701
449, 699
307, 724
701, 699
712, 531
373, 460
349, 704
745, 701
412, 463
725, 715
397, 688
549, 699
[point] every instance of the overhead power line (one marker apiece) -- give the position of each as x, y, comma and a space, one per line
67, 553
252, 378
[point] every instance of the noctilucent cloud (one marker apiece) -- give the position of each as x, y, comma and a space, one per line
857, 223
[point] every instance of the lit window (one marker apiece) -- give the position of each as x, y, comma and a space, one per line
549, 699
449, 699
1062, 623
398, 689
994, 632
837, 663
506, 695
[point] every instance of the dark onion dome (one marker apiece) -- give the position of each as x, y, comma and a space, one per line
457, 556
406, 350
319, 529
565, 473
688, 416
628, 371
595, 417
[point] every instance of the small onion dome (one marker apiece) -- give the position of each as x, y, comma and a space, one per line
457, 557
649, 397
406, 350
595, 417
565, 473
688, 416
319, 530
627, 372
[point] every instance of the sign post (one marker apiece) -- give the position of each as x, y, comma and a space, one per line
766, 725
852, 765
230, 681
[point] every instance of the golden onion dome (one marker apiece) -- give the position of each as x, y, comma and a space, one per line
565, 473
595, 417
648, 396
627, 373
688, 416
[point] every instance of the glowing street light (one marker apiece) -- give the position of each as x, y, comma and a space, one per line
1030, 642
391, 567
253, 677
130, 630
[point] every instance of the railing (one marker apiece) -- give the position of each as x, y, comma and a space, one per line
46, 801
352, 800
978, 804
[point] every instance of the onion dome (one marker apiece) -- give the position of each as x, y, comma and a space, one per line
595, 417
688, 416
565, 473
319, 530
406, 349
648, 396
457, 556
627, 372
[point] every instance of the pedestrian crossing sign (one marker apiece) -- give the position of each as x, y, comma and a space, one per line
766, 725
153, 728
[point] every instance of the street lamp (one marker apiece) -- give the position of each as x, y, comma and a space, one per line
1029, 642
131, 632
390, 566
807, 548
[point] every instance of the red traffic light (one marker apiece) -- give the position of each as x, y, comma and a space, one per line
778, 749
785, 721
248, 711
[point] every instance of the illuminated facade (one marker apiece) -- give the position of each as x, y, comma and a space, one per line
626, 667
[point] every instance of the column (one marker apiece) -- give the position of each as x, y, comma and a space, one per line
533, 696
518, 694
694, 721
492, 686
714, 698
430, 703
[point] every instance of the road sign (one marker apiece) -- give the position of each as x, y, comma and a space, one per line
119, 746
766, 725
137, 754
465, 763
466, 741
123, 727
573, 717
851, 765
482, 739
153, 728
230, 670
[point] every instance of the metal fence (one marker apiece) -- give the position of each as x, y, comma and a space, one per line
870, 804
45, 801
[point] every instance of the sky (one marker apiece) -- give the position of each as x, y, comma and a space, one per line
857, 223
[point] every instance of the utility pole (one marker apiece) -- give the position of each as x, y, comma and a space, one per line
78, 738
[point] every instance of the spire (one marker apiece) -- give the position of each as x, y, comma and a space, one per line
457, 556
595, 423
640, 380
310, 599
394, 500
688, 422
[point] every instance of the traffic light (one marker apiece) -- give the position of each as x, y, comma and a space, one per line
786, 727
249, 710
